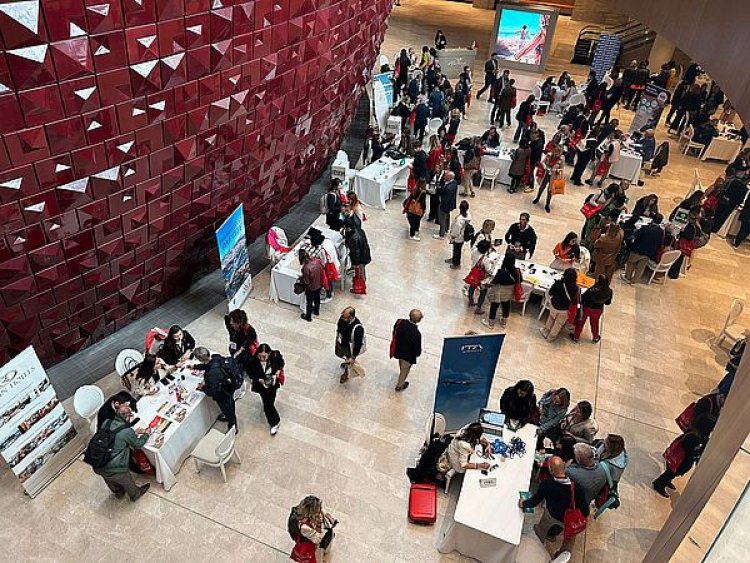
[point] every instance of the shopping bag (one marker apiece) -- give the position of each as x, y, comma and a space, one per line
674, 455
475, 275
303, 551
142, 463
574, 522
518, 288
589, 209
356, 369
686, 417
558, 186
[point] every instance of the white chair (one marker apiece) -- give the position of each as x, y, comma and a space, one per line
433, 125
87, 401
216, 450
576, 99
127, 360
685, 136
526, 295
439, 426
546, 305
448, 477
242, 391
735, 310
692, 145
538, 103
489, 169
669, 258
585, 261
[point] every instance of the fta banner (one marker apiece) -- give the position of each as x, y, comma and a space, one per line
37, 439
467, 368
235, 262
382, 95
650, 108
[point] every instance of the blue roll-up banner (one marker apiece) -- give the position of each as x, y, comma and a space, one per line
467, 368
235, 262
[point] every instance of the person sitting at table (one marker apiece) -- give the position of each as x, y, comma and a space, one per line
243, 340
593, 302
214, 384
142, 380
567, 252
586, 472
553, 407
691, 205
563, 293
556, 494
177, 346
456, 456
579, 424
647, 146
647, 206
521, 238
706, 133
491, 138
265, 370
518, 401
502, 290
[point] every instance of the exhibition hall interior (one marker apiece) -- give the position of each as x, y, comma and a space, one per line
374, 280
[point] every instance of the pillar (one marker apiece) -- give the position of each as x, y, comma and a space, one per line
662, 51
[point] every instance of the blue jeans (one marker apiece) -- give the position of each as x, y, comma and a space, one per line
482, 296
520, 130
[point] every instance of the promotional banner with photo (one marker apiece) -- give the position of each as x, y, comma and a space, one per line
522, 36
382, 88
467, 368
650, 107
37, 439
235, 262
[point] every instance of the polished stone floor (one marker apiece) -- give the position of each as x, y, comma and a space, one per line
350, 444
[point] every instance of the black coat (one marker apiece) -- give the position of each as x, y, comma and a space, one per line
420, 165
243, 339
172, 356
647, 241
406, 341
515, 407
256, 373
214, 380
356, 241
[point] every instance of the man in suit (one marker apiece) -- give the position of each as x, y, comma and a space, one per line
406, 345
447, 203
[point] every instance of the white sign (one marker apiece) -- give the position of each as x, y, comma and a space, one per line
37, 439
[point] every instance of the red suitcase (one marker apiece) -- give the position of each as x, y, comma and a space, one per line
422, 503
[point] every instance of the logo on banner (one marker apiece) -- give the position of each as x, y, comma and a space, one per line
471, 348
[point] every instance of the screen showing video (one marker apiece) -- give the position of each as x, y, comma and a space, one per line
522, 36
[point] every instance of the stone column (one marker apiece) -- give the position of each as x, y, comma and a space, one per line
662, 51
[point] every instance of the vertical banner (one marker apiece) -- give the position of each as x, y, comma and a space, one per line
37, 439
235, 262
650, 108
467, 368
383, 95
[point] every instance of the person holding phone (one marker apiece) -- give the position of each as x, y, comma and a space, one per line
265, 369
177, 347
315, 525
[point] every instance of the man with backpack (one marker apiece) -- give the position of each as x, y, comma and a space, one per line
223, 376
108, 452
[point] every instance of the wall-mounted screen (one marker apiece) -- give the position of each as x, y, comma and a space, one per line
523, 36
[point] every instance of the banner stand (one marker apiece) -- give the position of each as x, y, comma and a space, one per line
235, 262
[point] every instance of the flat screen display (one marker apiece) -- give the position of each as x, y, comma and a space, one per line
522, 37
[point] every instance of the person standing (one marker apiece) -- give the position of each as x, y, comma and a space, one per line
312, 280
356, 242
350, 340
536, 144
456, 234
585, 152
243, 339
732, 194
421, 116
402, 74
472, 164
521, 238
744, 230
502, 291
406, 345
562, 294
646, 245
524, 116
266, 372
593, 302
553, 169
558, 494
440, 40
414, 207
605, 251
334, 205
419, 165
447, 194
116, 472
518, 165
504, 102
490, 68
214, 384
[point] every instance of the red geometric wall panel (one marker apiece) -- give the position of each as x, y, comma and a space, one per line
130, 128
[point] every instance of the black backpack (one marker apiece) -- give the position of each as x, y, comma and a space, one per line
468, 232
233, 373
100, 449
292, 524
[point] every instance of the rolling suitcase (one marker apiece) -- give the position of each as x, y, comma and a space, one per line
422, 503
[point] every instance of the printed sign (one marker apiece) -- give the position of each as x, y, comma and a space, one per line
383, 95
650, 108
235, 262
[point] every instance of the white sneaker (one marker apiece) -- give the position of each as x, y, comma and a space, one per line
487, 323
437, 236
326, 300
275, 429
414, 238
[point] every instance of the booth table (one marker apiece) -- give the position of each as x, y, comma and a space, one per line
487, 523
503, 161
541, 277
722, 148
182, 435
286, 272
628, 167
373, 184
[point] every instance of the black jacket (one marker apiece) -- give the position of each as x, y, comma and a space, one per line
214, 380
597, 297
524, 110
243, 339
349, 338
407, 341
257, 374
561, 299
515, 407
172, 356
556, 496
647, 241
420, 165
526, 238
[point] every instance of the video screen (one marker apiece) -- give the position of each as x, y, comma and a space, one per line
522, 36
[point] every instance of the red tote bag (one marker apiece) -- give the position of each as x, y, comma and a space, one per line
574, 522
674, 455
303, 551
518, 288
686, 417
475, 275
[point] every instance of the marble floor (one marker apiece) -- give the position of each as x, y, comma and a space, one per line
350, 444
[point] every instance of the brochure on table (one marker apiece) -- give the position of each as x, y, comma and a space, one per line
37, 438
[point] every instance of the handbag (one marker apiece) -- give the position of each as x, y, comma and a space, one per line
299, 287
518, 288
359, 287
142, 462
415, 208
558, 186
476, 274
392, 347
674, 455
574, 522
330, 268
590, 209
303, 551
686, 417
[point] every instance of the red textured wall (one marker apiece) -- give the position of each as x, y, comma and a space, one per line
130, 128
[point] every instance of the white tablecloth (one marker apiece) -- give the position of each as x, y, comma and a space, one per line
373, 184
487, 523
722, 148
541, 277
181, 437
503, 161
286, 272
628, 167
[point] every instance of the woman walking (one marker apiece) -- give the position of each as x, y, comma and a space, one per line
266, 371
414, 208
593, 302
524, 116
552, 168
484, 258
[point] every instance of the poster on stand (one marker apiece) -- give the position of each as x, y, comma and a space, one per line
37, 439
522, 36
467, 368
650, 107
382, 96
235, 262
